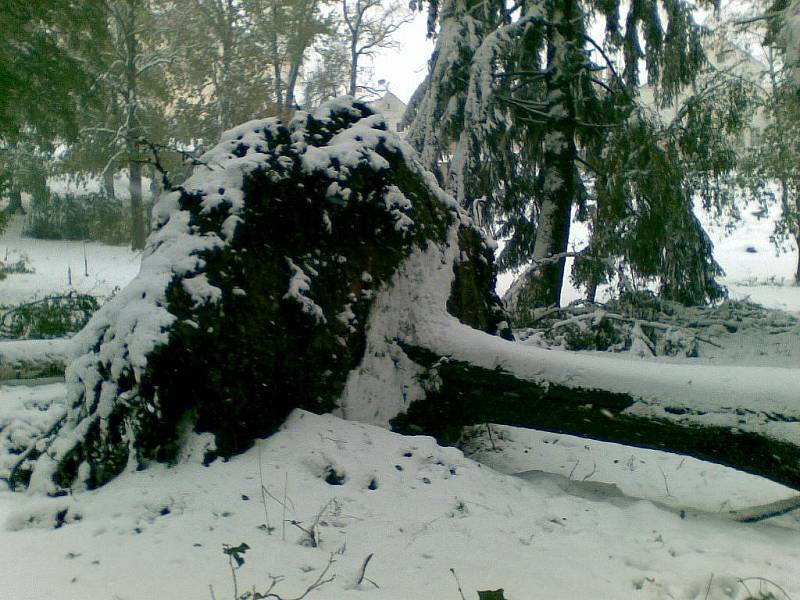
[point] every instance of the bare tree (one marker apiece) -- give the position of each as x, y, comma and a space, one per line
129, 75
371, 25
290, 27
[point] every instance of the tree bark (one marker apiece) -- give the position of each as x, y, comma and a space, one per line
108, 184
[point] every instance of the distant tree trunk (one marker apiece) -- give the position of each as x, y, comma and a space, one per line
39, 190
137, 214
277, 59
353, 66
15, 201
291, 81
224, 91
132, 130
591, 290
557, 180
797, 236
108, 184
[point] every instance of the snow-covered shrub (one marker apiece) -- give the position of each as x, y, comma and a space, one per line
639, 323
9, 268
79, 217
254, 292
49, 317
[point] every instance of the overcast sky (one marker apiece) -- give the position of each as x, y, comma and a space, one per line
405, 67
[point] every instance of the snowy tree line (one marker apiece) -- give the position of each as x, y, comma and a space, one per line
145, 85
531, 115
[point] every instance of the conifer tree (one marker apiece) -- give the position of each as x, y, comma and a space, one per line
523, 108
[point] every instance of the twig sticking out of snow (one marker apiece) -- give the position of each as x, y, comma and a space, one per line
321, 580
458, 583
312, 533
362, 575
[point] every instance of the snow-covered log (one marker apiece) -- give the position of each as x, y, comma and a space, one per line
30, 359
317, 265
254, 294
745, 418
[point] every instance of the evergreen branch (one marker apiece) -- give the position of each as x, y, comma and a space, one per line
605, 56
765, 17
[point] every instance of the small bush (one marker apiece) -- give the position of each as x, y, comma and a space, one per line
20, 266
50, 317
86, 217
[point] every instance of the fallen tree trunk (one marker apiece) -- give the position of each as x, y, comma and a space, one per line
745, 418
317, 265
466, 394
32, 359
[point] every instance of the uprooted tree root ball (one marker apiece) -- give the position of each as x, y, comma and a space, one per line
254, 293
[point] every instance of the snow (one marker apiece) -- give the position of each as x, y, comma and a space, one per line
765, 277
109, 267
158, 533
567, 517
19, 355
299, 286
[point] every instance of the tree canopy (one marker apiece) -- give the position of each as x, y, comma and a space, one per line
528, 117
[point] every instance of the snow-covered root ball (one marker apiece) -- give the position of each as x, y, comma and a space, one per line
254, 294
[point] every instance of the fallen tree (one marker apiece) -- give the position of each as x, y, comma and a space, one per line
317, 265
31, 359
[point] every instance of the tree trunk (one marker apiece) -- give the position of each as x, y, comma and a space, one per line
291, 82
40, 193
797, 236
469, 394
277, 59
353, 86
541, 286
108, 184
15, 201
137, 212
132, 129
797, 270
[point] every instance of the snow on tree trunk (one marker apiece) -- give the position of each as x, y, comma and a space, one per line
540, 286
254, 295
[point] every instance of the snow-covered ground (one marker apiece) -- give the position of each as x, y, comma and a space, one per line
534, 513
108, 267
419, 509
764, 276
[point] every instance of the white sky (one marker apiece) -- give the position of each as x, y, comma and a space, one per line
405, 67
